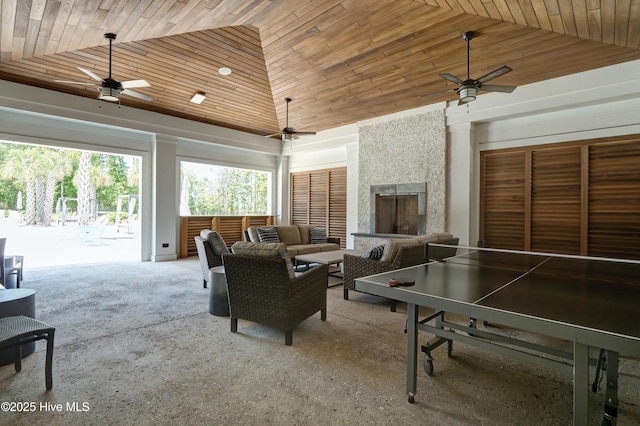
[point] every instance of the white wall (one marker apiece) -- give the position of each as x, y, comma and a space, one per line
598, 103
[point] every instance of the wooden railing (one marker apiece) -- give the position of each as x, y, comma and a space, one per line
230, 228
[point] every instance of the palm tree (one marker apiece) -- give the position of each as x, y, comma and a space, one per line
59, 164
91, 175
18, 166
39, 170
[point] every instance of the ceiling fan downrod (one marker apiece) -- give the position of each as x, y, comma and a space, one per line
110, 37
467, 37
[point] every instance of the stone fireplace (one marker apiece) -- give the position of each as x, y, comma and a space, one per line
398, 208
401, 149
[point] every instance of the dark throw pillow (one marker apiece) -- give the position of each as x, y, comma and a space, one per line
268, 235
318, 235
374, 253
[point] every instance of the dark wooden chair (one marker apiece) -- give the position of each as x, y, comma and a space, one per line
16, 331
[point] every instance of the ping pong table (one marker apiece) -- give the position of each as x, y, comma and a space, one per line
590, 302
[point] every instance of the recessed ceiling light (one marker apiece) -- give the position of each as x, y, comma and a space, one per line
198, 97
224, 70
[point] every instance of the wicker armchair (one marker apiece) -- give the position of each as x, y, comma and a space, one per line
357, 267
261, 290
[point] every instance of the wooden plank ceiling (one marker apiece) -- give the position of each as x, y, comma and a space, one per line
340, 60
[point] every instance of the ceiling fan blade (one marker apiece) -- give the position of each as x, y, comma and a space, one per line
275, 134
497, 88
75, 82
303, 133
134, 83
439, 93
138, 95
91, 74
495, 73
451, 78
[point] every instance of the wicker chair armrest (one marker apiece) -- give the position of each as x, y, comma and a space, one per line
356, 267
316, 277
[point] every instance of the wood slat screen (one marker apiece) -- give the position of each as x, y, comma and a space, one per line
502, 199
190, 226
572, 198
338, 204
249, 221
556, 200
319, 198
300, 198
614, 200
229, 227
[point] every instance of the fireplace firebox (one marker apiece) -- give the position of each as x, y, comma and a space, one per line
398, 209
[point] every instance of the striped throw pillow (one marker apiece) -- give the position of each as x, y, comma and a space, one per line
374, 253
318, 235
268, 235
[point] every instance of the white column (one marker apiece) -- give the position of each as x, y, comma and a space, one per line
352, 192
282, 190
463, 184
165, 209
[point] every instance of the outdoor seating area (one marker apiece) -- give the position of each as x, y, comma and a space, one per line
187, 185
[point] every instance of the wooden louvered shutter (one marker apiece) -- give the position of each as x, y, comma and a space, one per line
503, 199
319, 198
299, 198
338, 205
614, 200
556, 200
574, 198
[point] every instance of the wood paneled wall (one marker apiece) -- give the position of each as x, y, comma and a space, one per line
573, 198
319, 198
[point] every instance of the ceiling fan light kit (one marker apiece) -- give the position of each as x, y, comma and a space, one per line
467, 94
110, 94
468, 89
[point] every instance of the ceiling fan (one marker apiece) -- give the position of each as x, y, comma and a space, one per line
469, 88
289, 133
109, 88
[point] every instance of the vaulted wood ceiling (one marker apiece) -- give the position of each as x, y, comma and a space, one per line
340, 60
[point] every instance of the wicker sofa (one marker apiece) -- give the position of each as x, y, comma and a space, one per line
297, 238
398, 253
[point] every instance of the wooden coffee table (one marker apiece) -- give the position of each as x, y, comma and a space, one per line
333, 257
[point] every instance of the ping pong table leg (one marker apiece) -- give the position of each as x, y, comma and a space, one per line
580, 384
412, 351
611, 395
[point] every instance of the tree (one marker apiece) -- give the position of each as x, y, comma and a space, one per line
37, 171
18, 166
58, 163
